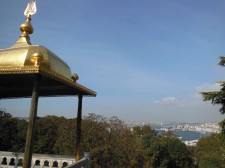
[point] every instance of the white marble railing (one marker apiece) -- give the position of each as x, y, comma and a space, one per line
9, 160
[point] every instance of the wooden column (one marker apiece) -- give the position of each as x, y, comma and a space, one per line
31, 125
78, 135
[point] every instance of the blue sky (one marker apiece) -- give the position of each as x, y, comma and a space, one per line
147, 60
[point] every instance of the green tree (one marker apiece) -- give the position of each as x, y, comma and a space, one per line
218, 97
145, 130
66, 138
209, 162
179, 154
167, 152
20, 141
210, 151
8, 131
158, 153
46, 134
111, 143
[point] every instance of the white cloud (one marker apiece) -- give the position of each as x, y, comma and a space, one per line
189, 109
206, 87
169, 99
166, 100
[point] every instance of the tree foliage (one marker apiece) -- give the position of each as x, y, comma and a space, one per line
218, 97
111, 140
210, 151
168, 152
8, 130
111, 143
47, 133
66, 137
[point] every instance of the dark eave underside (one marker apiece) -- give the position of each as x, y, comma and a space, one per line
21, 86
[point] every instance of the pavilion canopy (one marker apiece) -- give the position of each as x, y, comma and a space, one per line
23, 62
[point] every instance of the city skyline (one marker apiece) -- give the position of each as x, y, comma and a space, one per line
146, 60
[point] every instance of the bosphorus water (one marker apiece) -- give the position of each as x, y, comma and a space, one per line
190, 135
187, 135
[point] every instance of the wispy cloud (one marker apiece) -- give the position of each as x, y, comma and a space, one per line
207, 87
190, 108
166, 100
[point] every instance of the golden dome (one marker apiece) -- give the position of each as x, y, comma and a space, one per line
22, 61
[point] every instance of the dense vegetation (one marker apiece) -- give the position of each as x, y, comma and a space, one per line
112, 144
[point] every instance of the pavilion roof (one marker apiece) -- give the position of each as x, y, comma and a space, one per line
20, 63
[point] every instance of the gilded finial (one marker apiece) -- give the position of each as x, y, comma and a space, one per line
37, 58
75, 77
26, 27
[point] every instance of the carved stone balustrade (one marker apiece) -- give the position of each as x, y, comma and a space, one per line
9, 159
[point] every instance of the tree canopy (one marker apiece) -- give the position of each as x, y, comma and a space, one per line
111, 143
218, 97
210, 152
